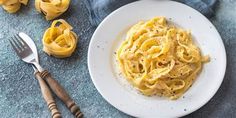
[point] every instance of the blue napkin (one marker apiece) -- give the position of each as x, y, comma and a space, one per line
99, 9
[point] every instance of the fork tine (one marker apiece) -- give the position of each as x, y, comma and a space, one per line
16, 43
13, 46
23, 42
19, 40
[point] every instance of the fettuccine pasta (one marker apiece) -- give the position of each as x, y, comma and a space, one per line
58, 40
12, 6
52, 8
159, 59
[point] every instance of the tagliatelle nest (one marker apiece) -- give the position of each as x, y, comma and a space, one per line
58, 40
52, 8
12, 6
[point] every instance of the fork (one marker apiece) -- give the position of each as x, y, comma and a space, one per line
24, 51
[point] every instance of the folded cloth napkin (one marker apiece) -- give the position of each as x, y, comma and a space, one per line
99, 9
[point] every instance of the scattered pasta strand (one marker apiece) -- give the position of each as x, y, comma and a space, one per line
58, 40
52, 8
159, 59
12, 6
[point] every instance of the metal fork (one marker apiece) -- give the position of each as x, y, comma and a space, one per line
27, 55
24, 51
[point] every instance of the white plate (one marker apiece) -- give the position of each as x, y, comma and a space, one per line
115, 89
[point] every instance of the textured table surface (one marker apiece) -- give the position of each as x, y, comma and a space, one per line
20, 95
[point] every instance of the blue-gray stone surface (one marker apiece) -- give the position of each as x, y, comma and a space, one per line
20, 95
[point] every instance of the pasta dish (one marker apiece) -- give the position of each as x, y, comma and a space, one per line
160, 59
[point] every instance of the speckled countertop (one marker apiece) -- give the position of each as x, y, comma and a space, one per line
20, 95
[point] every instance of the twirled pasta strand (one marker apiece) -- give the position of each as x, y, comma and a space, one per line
59, 40
158, 59
52, 8
12, 6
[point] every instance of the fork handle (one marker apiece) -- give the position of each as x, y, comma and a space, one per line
47, 95
62, 94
